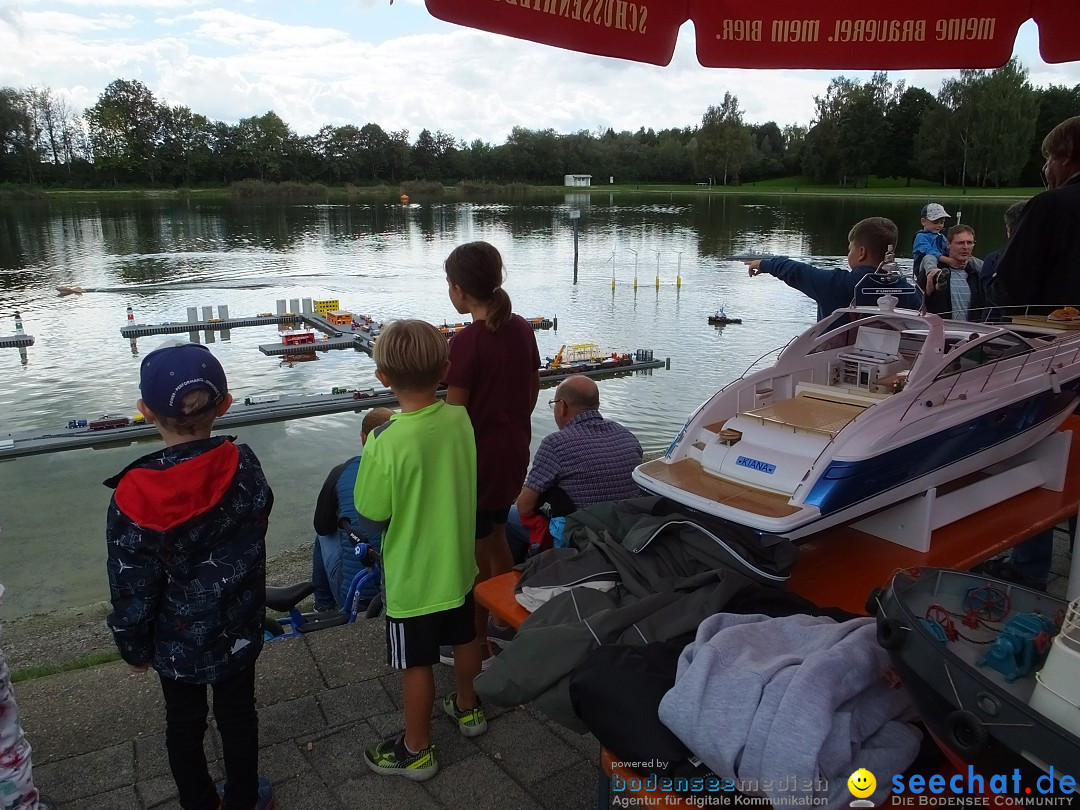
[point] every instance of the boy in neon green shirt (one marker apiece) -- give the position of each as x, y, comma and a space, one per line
417, 484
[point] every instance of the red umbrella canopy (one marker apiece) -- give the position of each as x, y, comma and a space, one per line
833, 34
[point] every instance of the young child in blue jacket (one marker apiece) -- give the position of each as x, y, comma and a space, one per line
930, 241
186, 533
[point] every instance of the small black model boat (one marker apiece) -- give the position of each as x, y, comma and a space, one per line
973, 653
720, 318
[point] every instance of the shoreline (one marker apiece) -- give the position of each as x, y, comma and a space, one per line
368, 194
75, 638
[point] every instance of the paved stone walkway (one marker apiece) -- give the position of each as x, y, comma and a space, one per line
99, 737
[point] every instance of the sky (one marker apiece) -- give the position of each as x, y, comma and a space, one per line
318, 62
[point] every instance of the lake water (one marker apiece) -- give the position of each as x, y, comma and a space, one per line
161, 257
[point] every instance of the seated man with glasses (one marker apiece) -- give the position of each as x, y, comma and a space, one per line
951, 283
588, 460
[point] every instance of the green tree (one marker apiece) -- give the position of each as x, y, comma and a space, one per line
266, 146
934, 151
18, 141
724, 143
126, 131
794, 141
186, 145
374, 146
902, 120
821, 160
861, 127
1002, 124
1055, 103
398, 151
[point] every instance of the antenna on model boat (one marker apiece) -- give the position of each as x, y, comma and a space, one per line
888, 266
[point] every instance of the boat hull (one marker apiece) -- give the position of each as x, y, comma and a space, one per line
862, 487
982, 719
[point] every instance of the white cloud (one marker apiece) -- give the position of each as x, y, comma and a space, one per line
350, 64
139, 4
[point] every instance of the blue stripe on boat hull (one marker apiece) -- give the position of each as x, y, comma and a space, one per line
845, 483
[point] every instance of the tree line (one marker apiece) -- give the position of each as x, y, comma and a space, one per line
983, 128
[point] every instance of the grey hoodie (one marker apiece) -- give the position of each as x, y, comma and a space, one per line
806, 697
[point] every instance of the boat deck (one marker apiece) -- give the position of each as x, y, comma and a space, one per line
807, 413
688, 475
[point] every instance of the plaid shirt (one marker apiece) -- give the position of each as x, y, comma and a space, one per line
591, 459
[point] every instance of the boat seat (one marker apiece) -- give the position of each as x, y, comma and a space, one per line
807, 413
838, 393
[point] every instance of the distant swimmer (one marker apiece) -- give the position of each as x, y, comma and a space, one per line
64, 289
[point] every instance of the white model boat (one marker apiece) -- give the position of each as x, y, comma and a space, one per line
866, 408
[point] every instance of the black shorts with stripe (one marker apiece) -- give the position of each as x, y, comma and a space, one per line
415, 641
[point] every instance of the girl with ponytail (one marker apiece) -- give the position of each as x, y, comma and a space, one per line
494, 373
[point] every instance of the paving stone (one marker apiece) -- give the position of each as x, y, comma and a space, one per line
376, 792
525, 748
338, 757
283, 721
351, 653
87, 710
585, 744
88, 774
120, 799
283, 761
478, 784
152, 758
307, 792
569, 789
293, 657
156, 790
356, 701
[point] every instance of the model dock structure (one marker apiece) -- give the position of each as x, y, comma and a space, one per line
340, 329
19, 340
258, 408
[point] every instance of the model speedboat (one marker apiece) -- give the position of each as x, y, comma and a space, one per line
987, 668
866, 408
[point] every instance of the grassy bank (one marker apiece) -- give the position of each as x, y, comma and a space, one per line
424, 191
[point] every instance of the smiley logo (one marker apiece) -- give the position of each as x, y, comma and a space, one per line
861, 783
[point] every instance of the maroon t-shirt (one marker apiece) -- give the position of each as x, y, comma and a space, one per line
497, 368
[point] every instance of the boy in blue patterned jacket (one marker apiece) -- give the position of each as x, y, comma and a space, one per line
187, 574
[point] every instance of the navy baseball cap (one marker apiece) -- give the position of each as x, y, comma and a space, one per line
175, 370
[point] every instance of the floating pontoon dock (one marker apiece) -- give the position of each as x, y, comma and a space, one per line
278, 409
346, 334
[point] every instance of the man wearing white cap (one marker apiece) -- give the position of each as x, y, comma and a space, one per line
930, 241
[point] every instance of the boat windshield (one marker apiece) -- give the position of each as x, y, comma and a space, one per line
976, 350
879, 331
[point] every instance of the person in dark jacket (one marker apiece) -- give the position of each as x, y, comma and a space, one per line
1039, 265
186, 532
334, 564
951, 282
990, 261
869, 242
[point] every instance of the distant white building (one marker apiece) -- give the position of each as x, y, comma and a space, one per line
577, 180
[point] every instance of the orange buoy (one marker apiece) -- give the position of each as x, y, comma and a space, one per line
404, 199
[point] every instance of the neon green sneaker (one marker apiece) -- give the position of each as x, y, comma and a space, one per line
392, 758
470, 722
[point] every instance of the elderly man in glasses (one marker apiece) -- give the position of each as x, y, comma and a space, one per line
588, 460
951, 282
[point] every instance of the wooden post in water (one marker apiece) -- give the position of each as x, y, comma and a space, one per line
575, 215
